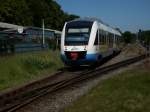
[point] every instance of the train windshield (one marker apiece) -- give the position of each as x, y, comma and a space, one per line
78, 33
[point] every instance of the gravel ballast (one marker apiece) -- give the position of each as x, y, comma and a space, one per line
56, 102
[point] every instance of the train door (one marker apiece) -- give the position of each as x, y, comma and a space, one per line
114, 41
102, 41
111, 41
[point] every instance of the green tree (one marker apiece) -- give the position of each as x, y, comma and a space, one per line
145, 36
15, 12
31, 13
128, 37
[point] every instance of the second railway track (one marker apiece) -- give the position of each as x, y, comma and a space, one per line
13, 100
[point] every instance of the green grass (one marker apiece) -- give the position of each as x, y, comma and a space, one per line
22, 68
127, 92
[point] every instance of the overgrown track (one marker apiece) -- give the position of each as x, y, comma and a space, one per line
26, 93
14, 100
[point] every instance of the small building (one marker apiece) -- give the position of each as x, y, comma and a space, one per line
14, 38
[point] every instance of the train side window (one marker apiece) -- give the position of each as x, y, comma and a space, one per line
106, 37
116, 38
96, 39
102, 37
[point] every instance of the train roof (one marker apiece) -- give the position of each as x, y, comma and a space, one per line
105, 26
90, 19
87, 19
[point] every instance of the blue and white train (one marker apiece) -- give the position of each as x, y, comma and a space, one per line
86, 41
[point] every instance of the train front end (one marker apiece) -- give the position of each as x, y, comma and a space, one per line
75, 47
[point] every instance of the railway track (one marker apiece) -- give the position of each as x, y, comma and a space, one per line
15, 99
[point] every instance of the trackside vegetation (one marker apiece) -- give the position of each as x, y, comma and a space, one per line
126, 92
22, 68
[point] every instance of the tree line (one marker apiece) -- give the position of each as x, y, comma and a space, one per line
142, 36
32, 12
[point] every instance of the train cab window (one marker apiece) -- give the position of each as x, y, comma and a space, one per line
77, 36
78, 32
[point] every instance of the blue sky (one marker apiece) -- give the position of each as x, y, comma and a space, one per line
126, 14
